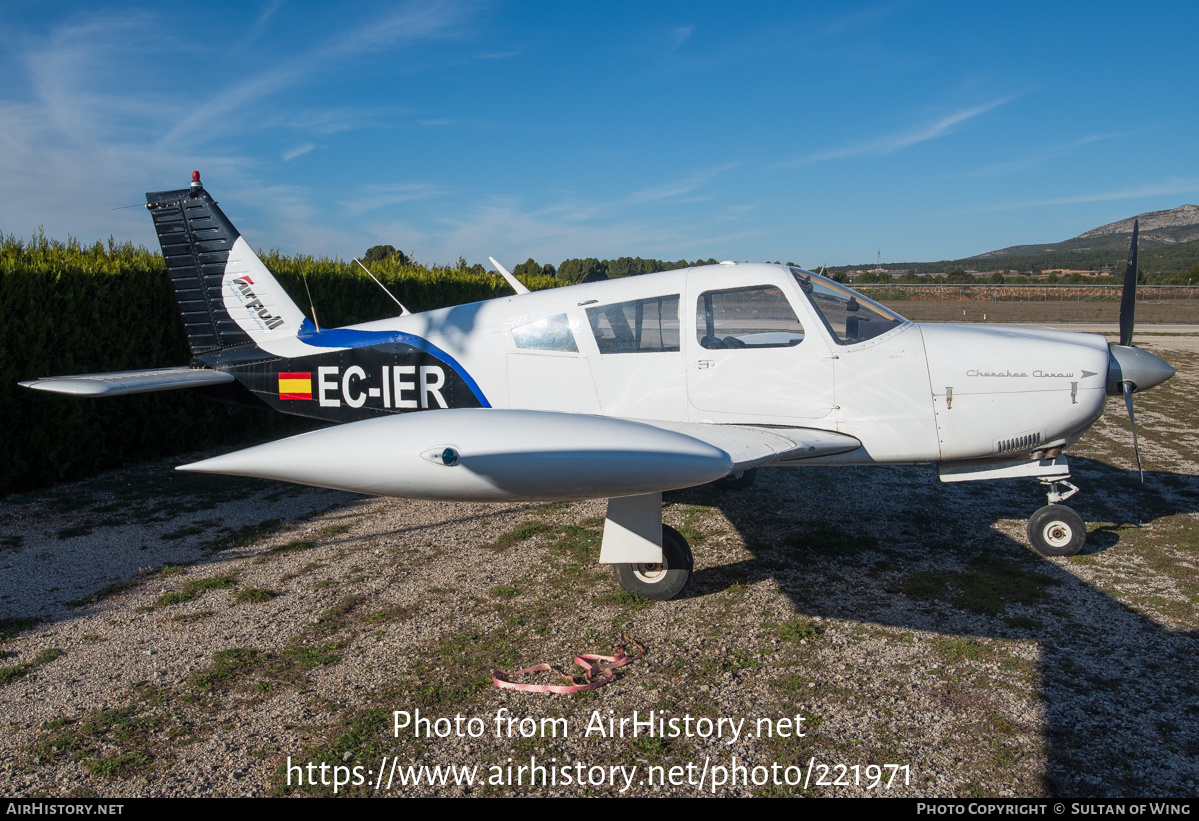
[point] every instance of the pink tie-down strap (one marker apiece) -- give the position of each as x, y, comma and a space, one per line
597, 673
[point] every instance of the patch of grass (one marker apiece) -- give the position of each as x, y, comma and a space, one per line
358, 736
452, 670
925, 586
117, 765
228, 665
247, 535
986, 590
188, 618
294, 546
255, 595
311, 656
651, 746
521, 533
798, 630
48, 655
504, 592
194, 588
13, 672
827, 541
10, 627
1024, 623
308, 568
172, 570
961, 649
554, 507
183, 532
624, 598
123, 727
73, 532
333, 530
577, 549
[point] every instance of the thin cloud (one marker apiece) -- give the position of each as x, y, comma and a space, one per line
298, 151
679, 187
381, 196
1161, 189
680, 35
1025, 163
890, 143
411, 23
860, 18
268, 12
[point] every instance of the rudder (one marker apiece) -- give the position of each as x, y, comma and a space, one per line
226, 296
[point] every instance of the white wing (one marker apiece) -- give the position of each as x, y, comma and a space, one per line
492, 454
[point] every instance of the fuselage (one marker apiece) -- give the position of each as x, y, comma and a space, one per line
747, 344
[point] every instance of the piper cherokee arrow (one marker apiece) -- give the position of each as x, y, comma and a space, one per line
627, 388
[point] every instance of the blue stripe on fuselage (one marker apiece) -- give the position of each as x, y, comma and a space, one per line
351, 338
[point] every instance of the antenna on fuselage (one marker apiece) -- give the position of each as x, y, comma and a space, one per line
403, 311
507, 275
311, 304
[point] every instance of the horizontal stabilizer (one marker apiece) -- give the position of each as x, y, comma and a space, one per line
126, 382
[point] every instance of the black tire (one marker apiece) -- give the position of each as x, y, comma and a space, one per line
1056, 530
660, 582
740, 480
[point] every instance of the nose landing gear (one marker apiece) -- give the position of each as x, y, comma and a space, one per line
1056, 530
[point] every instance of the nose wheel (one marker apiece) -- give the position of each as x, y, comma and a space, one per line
1056, 530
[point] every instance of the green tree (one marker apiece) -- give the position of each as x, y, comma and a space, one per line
528, 268
378, 253
582, 270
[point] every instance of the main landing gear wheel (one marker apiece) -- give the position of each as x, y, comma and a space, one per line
660, 581
1056, 530
737, 481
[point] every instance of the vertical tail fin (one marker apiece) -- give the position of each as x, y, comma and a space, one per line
226, 295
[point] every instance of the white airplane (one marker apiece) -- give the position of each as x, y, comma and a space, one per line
627, 388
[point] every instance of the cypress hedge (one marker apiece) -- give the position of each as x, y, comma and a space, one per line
66, 308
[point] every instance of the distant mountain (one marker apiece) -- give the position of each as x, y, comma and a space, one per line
1158, 229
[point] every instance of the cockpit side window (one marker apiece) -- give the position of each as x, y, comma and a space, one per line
641, 326
549, 334
755, 317
849, 316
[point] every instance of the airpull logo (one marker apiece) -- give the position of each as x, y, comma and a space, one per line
253, 303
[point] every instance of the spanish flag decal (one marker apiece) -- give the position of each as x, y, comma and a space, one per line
295, 385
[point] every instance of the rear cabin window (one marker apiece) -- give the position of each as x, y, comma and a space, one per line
549, 334
757, 317
641, 326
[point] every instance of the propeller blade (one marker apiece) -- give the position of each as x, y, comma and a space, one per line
1128, 389
1128, 299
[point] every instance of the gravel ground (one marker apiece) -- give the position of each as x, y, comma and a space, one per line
188, 635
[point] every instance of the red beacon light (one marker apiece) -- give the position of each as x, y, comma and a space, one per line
195, 186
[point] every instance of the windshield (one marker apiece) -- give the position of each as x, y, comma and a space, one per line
849, 316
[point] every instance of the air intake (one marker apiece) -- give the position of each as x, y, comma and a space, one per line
1021, 442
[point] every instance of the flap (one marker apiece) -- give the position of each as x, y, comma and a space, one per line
751, 446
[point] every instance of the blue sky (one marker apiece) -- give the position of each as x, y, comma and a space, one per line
818, 133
